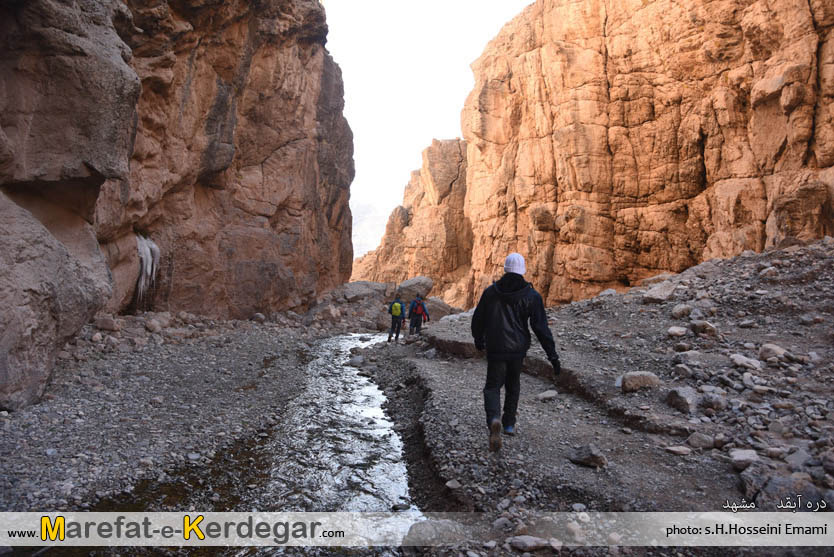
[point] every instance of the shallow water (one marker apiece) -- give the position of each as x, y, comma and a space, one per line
335, 449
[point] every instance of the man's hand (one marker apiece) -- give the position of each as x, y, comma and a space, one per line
557, 366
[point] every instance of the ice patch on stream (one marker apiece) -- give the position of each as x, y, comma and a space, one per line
336, 450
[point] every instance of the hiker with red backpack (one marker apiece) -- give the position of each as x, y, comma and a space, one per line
417, 315
397, 311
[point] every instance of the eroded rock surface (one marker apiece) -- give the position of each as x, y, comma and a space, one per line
608, 142
242, 158
427, 234
47, 295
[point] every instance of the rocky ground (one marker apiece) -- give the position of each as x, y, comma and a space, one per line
681, 394
147, 398
710, 386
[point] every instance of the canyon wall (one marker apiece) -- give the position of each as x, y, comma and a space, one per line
427, 235
214, 129
611, 141
242, 160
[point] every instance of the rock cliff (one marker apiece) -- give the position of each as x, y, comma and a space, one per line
242, 159
427, 235
611, 141
213, 129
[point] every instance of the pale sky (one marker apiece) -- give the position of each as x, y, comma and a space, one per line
406, 71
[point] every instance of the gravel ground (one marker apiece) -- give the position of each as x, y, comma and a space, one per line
732, 400
146, 413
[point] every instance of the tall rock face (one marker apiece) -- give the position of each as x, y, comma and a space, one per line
242, 160
67, 100
427, 235
213, 128
610, 141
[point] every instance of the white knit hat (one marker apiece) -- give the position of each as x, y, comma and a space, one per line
514, 264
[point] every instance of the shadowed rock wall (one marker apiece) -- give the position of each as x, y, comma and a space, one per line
243, 160
213, 128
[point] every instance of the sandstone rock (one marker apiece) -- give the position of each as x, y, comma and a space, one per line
412, 287
676, 331
701, 441
47, 294
703, 327
588, 455
636, 380
608, 143
107, 323
741, 458
660, 293
745, 362
684, 399
453, 484
681, 310
770, 350
679, 450
547, 395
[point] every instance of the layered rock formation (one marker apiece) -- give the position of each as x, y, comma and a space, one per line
428, 234
611, 141
214, 129
242, 159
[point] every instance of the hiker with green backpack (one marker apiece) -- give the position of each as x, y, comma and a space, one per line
397, 311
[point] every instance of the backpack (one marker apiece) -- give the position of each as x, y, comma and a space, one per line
420, 309
396, 309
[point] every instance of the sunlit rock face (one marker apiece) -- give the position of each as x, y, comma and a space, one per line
427, 235
242, 160
611, 141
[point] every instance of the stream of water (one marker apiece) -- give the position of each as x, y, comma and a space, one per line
335, 449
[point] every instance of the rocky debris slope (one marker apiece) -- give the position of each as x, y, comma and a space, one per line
214, 129
608, 142
427, 235
728, 363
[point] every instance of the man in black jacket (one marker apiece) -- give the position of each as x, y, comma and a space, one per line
499, 325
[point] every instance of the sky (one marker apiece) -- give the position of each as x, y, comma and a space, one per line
405, 65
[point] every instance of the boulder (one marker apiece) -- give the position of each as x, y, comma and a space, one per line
588, 455
415, 286
636, 380
684, 399
47, 294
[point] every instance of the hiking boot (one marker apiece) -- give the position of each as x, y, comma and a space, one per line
509, 430
495, 435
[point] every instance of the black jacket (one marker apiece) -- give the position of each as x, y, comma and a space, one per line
499, 323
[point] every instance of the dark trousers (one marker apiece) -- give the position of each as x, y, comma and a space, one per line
396, 324
505, 374
415, 324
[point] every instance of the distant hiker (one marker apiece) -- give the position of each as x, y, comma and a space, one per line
499, 325
397, 311
417, 315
